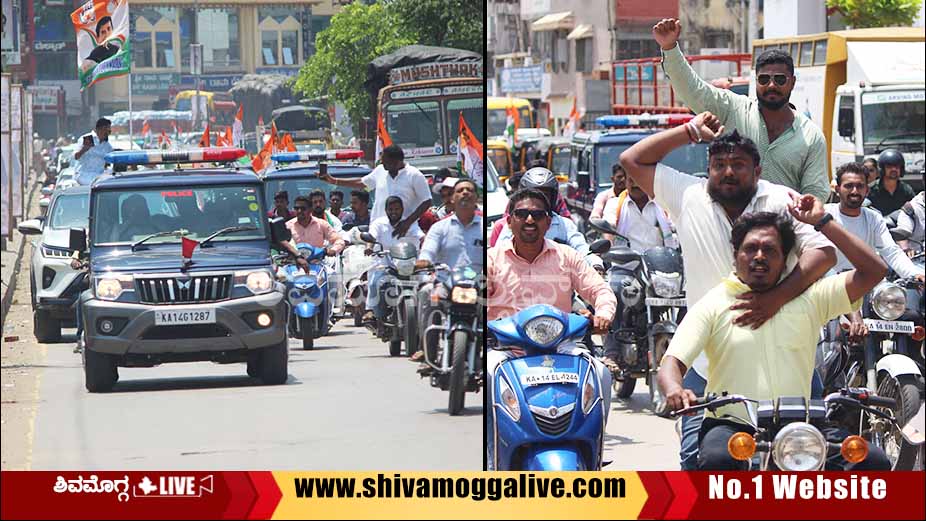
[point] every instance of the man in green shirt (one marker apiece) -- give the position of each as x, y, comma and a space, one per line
791, 146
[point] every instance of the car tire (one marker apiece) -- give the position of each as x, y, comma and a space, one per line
100, 371
46, 329
395, 347
274, 364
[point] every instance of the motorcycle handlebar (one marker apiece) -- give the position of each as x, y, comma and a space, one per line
881, 401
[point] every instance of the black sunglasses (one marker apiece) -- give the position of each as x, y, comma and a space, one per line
780, 79
522, 213
301, 208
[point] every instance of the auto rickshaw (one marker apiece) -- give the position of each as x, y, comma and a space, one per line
500, 154
554, 151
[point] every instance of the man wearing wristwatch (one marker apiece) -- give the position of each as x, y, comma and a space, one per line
703, 211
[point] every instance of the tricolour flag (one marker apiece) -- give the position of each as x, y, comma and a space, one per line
238, 127
469, 153
572, 126
382, 137
103, 47
146, 131
512, 122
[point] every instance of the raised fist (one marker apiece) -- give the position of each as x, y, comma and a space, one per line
666, 32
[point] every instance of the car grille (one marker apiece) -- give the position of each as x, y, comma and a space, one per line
552, 426
196, 289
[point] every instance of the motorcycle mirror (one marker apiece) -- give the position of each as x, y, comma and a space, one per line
899, 234
913, 430
600, 246
602, 226
278, 230
366, 237
363, 228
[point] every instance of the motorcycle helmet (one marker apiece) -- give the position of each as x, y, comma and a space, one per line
539, 178
891, 156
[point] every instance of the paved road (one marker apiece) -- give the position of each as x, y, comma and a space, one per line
637, 439
347, 406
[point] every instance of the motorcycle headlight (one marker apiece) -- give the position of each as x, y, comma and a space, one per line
588, 392
464, 295
256, 281
509, 399
799, 446
889, 301
543, 330
405, 267
110, 287
667, 285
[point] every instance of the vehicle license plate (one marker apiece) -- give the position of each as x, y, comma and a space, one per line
889, 326
528, 380
671, 302
176, 317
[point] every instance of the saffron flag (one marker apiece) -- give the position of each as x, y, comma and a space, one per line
103, 47
262, 160
469, 154
572, 126
238, 127
204, 141
382, 137
146, 131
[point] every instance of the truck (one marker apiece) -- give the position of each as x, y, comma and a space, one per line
864, 88
419, 92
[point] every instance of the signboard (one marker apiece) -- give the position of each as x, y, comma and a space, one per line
6, 187
153, 84
44, 98
72, 95
285, 71
16, 139
9, 43
900, 96
211, 83
463, 89
434, 71
633, 73
515, 80
416, 93
54, 46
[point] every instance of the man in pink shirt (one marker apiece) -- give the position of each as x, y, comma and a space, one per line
618, 179
312, 230
531, 270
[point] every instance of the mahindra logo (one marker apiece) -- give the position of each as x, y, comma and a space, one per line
184, 284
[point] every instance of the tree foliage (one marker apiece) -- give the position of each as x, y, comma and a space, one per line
361, 32
860, 14
357, 35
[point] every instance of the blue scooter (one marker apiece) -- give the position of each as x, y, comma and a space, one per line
309, 302
547, 408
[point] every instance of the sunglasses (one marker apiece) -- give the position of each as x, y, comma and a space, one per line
301, 208
780, 79
522, 214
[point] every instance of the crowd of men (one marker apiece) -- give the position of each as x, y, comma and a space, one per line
767, 264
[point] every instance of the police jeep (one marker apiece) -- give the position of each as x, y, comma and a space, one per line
180, 269
594, 153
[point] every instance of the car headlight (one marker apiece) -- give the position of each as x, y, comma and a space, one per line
667, 285
464, 295
405, 267
799, 446
256, 281
889, 301
588, 392
110, 287
509, 399
543, 330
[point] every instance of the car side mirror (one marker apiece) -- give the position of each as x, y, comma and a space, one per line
846, 123
30, 227
78, 240
600, 246
47, 190
278, 230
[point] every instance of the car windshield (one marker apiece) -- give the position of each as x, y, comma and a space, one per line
690, 159
491, 179
415, 126
70, 211
892, 118
473, 112
308, 119
560, 163
126, 216
296, 186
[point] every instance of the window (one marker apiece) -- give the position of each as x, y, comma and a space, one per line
584, 55
165, 50
280, 31
219, 34
819, 52
154, 30
55, 66
141, 49
806, 54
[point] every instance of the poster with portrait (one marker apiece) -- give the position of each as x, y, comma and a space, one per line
103, 49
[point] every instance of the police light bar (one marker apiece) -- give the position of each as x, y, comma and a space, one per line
643, 120
155, 157
317, 155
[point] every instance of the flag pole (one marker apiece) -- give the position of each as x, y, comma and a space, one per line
131, 115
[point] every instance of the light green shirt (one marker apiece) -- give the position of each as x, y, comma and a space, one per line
775, 360
796, 159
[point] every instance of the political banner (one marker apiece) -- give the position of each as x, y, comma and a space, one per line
103, 47
6, 187
16, 138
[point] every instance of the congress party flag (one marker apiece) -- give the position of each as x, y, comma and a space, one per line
469, 153
103, 49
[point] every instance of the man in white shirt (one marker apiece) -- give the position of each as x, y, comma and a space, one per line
639, 219
392, 178
91, 158
869, 226
912, 219
704, 210
383, 230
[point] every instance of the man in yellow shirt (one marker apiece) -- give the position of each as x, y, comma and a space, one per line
776, 359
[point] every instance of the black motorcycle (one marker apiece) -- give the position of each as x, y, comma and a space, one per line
650, 304
456, 315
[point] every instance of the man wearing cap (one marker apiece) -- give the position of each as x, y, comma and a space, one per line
435, 213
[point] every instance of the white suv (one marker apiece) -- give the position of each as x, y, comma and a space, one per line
55, 285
